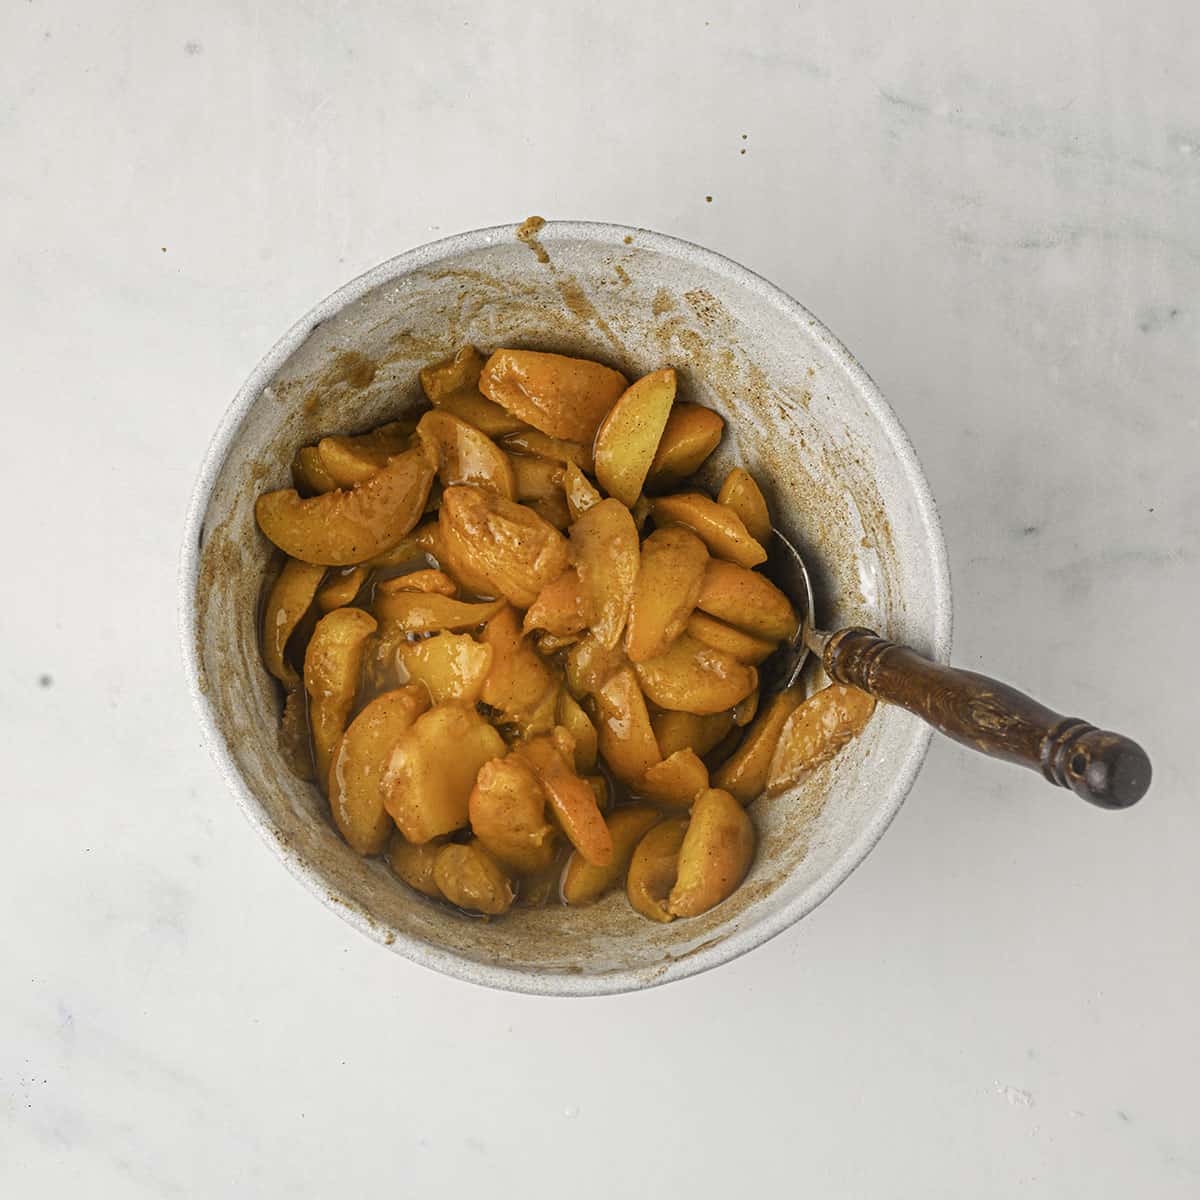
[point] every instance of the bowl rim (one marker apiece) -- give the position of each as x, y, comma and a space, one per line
744, 937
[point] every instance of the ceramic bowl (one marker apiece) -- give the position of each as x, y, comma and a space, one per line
801, 415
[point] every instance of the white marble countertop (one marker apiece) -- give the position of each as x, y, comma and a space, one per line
996, 206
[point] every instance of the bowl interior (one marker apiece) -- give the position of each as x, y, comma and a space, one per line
801, 416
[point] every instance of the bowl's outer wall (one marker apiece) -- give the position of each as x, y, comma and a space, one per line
801, 416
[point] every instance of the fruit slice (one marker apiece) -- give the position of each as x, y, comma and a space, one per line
715, 855
519, 685
676, 781
344, 527
564, 397
628, 439
558, 607
533, 441
461, 454
676, 730
626, 737
692, 677
471, 878
691, 435
352, 460
742, 494
580, 493
450, 666
746, 600
584, 883
571, 798
745, 647
719, 527
331, 669
414, 864
508, 815
359, 760
668, 584
341, 587
604, 546
819, 728
432, 770
309, 473
653, 869
744, 773
497, 547
422, 612
290, 597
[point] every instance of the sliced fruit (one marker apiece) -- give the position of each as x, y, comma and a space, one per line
819, 728
508, 815
744, 773
533, 441
427, 580
604, 547
471, 878
341, 587
691, 435
716, 853
537, 479
579, 725
676, 781
719, 527
461, 454
571, 798
588, 664
432, 769
353, 460
519, 685
290, 597
294, 743
742, 494
746, 600
579, 491
625, 735
344, 527
461, 370
497, 547
653, 869
668, 584
628, 438
309, 474
449, 666
584, 883
676, 730
564, 397
745, 647
414, 864
692, 677
359, 760
559, 606
424, 612
331, 670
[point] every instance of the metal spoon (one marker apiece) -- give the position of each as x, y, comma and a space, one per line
1105, 768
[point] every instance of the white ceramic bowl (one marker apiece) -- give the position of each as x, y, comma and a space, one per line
801, 414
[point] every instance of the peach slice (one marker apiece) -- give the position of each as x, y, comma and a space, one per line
353, 460
332, 664
819, 728
414, 864
471, 878
359, 760
746, 600
692, 677
716, 853
518, 684
676, 781
508, 815
344, 527
628, 438
668, 584
691, 435
450, 666
571, 798
745, 647
626, 737
719, 527
604, 546
432, 770
653, 869
744, 773
461, 454
564, 397
290, 597
497, 547
742, 494
585, 884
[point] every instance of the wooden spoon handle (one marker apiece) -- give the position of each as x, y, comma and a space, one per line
1105, 768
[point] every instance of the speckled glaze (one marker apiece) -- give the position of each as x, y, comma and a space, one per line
801, 415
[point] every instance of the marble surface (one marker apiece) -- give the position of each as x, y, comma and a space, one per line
996, 206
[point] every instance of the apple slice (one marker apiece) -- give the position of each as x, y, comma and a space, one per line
628, 439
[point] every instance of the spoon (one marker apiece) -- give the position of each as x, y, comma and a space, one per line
1105, 768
